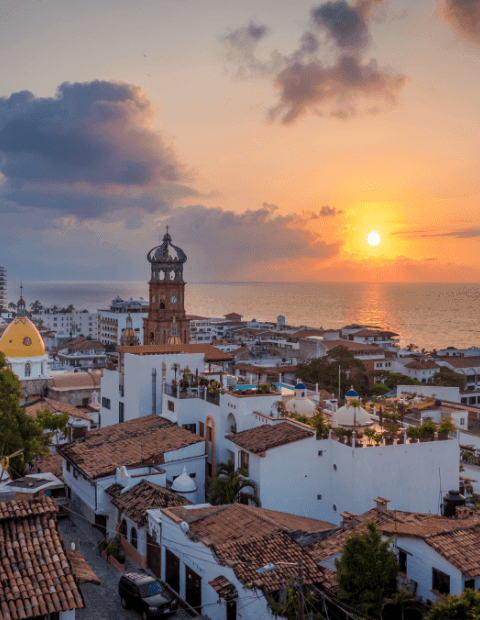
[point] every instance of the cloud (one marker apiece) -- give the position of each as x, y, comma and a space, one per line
345, 24
464, 17
334, 91
89, 151
236, 242
469, 233
341, 88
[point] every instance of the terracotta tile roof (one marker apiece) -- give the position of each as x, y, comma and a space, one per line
76, 380
216, 525
82, 344
53, 463
268, 436
114, 490
55, 406
211, 353
36, 577
462, 362
224, 588
422, 364
142, 441
460, 548
353, 346
457, 540
143, 496
81, 569
246, 556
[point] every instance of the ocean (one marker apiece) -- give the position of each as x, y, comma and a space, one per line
427, 315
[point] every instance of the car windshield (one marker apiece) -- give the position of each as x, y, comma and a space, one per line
150, 589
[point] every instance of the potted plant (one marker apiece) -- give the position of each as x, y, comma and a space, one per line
427, 430
446, 427
412, 432
115, 556
378, 438
389, 437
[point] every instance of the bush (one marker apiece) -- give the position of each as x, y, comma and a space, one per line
466, 607
112, 549
447, 426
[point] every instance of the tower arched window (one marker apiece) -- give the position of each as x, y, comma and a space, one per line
123, 529
162, 303
133, 537
41, 368
28, 369
152, 338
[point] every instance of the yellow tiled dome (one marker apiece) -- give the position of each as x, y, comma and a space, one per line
22, 339
174, 340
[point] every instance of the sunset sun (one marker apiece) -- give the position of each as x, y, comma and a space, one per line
373, 238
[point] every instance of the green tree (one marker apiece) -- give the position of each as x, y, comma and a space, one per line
449, 378
18, 431
392, 379
379, 389
464, 607
324, 370
289, 610
228, 486
367, 570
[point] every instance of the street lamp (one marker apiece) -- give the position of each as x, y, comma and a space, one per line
301, 603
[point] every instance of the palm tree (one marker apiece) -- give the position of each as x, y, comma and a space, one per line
36, 306
228, 485
411, 347
12, 306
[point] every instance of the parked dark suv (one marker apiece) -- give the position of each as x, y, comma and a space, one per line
147, 595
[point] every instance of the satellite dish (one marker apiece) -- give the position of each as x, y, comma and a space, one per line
184, 527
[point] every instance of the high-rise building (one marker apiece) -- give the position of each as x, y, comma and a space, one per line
166, 310
3, 288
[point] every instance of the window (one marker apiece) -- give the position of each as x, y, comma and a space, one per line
470, 584
243, 460
133, 537
75, 473
170, 405
190, 427
105, 402
320, 453
462, 421
334, 467
209, 433
319, 496
123, 529
28, 369
402, 561
121, 412
440, 581
334, 508
209, 470
202, 429
68, 466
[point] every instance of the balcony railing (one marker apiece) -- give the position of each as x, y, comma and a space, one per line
183, 393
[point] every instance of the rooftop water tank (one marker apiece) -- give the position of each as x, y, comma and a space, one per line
451, 500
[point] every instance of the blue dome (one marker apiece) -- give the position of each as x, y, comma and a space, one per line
300, 386
351, 393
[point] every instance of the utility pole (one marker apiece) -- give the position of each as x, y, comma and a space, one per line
301, 602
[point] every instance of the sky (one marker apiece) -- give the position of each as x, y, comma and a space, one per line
272, 137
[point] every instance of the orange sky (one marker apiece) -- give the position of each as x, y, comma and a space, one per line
395, 151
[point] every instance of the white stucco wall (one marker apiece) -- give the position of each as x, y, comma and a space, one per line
291, 477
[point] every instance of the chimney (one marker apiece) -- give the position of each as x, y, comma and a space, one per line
349, 519
381, 503
462, 512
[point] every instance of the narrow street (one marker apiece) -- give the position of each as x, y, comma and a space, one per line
101, 602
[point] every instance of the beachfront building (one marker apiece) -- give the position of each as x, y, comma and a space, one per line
82, 353
72, 322
113, 321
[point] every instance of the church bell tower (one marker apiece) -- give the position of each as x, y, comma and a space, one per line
167, 295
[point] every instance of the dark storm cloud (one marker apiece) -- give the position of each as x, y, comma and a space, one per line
336, 90
255, 235
464, 17
247, 35
342, 88
88, 151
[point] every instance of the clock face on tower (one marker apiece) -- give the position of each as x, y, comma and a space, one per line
173, 299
